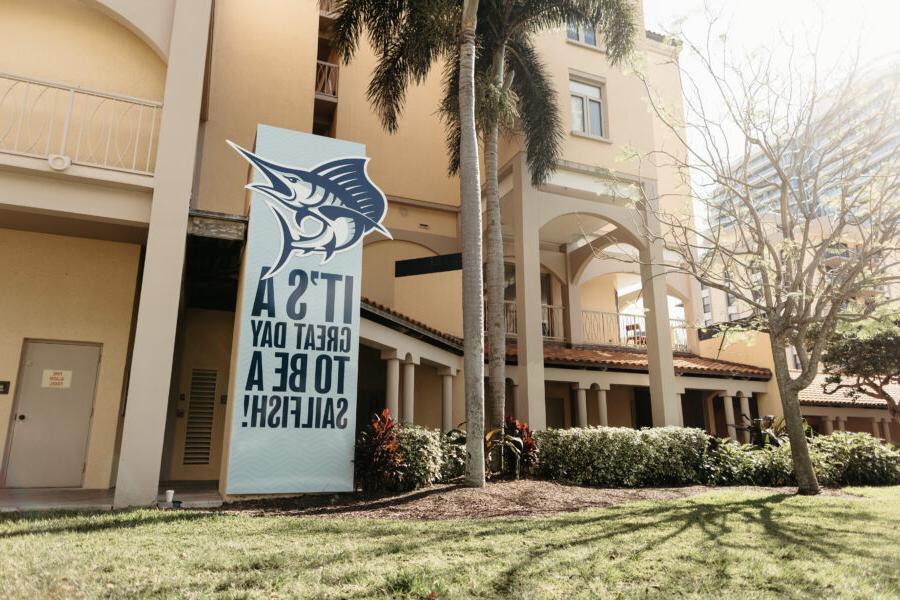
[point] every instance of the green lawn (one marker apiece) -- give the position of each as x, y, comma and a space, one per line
725, 543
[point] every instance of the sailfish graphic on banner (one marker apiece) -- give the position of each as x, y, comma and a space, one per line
323, 210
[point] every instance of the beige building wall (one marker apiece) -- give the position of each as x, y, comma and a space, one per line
69, 42
70, 289
262, 70
749, 348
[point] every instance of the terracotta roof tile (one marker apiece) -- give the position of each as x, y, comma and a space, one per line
814, 395
622, 358
592, 356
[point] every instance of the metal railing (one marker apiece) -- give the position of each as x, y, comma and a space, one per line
65, 124
629, 331
552, 320
327, 79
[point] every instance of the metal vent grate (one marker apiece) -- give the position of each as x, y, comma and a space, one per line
201, 408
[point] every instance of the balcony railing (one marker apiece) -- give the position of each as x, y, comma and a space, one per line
552, 320
326, 80
69, 125
629, 331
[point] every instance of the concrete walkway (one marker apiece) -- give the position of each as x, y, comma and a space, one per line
192, 494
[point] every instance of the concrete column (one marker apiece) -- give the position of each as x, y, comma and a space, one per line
581, 399
842, 423
409, 391
886, 427
876, 426
446, 400
573, 314
519, 409
665, 404
710, 413
601, 404
529, 339
392, 391
828, 425
745, 418
729, 417
144, 425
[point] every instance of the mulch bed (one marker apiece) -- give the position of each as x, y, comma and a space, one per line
525, 498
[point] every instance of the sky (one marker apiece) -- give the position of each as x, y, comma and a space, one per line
872, 26
875, 23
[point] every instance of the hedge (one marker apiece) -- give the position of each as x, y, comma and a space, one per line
621, 457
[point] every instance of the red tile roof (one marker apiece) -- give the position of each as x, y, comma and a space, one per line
814, 395
635, 360
588, 356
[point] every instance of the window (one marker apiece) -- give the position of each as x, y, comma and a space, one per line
585, 35
587, 108
707, 305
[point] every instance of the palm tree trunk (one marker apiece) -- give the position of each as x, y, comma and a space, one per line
790, 402
470, 214
496, 325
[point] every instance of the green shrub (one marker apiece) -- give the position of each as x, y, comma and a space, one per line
844, 458
453, 458
420, 449
618, 456
730, 463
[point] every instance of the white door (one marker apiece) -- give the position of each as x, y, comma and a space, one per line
52, 416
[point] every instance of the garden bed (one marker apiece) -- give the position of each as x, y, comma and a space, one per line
524, 498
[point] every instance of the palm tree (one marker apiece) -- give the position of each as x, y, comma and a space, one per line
408, 37
516, 95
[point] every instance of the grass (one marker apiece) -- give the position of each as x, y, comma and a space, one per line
723, 544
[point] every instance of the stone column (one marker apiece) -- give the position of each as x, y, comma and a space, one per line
529, 337
876, 426
745, 417
710, 414
601, 404
573, 313
729, 417
446, 399
409, 391
143, 429
828, 425
842, 423
665, 404
581, 400
886, 426
392, 387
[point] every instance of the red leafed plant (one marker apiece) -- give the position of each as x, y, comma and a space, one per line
379, 466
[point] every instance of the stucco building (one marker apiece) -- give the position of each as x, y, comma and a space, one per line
123, 218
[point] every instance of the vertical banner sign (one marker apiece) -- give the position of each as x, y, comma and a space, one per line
293, 417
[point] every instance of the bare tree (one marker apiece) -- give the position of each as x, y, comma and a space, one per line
793, 172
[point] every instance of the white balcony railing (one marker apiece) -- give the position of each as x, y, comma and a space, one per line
70, 125
629, 331
552, 320
327, 79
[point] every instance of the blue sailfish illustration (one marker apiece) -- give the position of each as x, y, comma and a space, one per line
324, 210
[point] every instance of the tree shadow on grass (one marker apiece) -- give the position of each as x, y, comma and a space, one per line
714, 520
81, 522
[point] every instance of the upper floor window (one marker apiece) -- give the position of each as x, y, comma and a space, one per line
585, 35
587, 108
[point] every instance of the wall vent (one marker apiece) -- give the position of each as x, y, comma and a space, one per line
201, 410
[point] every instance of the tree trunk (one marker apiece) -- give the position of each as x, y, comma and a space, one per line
496, 325
793, 420
470, 214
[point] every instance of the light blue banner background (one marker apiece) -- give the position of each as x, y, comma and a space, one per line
266, 460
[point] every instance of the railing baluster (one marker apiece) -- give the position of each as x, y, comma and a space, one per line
21, 117
137, 137
68, 121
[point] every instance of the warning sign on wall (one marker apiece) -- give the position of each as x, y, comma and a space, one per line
56, 378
